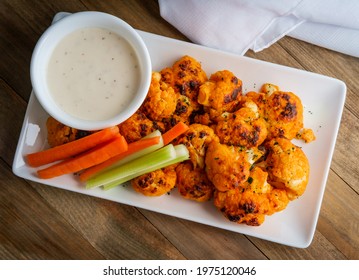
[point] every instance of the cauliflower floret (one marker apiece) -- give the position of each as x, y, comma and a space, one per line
221, 93
242, 128
182, 113
167, 76
259, 99
251, 202
288, 167
138, 126
306, 134
58, 133
188, 76
193, 183
269, 88
160, 102
185, 77
197, 139
203, 118
226, 166
156, 183
284, 113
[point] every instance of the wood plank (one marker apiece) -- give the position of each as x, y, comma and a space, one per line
200, 242
11, 118
32, 229
21, 25
117, 231
346, 152
339, 217
321, 249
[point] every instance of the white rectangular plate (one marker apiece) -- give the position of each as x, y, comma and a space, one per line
323, 99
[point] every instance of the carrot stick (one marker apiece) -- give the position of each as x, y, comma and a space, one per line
174, 132
72, 148
87, 159
132, 148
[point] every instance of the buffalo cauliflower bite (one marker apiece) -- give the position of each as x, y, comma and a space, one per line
58, 133
193, 183
156, 183
259, 98
242, 128
183, 109
284, 113
227, 166
306, 134
138, 126
269, 88
167, 76
203, 118
182, 112
288, 167
252, 201
160, 102
185, 77
197, 139
221, 93
188, 76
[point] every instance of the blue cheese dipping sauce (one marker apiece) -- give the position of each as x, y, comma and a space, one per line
93, 74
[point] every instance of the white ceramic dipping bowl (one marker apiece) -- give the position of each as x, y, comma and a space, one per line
51, 38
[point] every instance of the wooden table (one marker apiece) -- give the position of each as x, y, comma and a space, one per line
42, 222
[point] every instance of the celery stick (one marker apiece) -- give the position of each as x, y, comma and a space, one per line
133, 167
140, 153
181, 155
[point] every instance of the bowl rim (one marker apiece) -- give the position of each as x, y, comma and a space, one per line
55, 33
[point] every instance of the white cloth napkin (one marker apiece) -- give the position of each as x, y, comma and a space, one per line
239, 25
